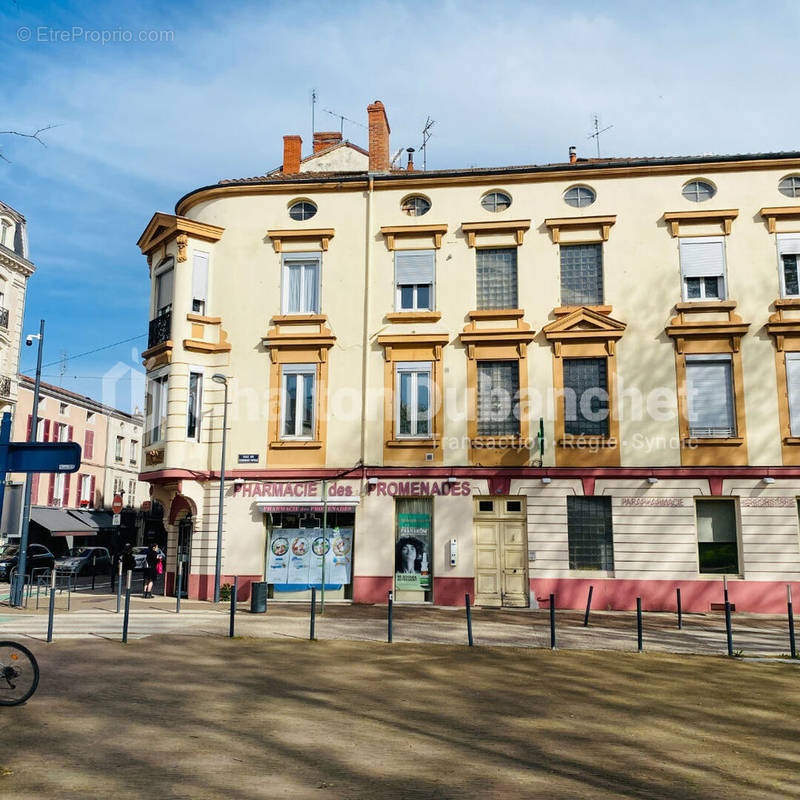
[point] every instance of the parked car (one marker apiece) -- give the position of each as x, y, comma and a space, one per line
79, 562
38, 558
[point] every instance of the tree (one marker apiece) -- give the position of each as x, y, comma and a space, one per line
35, 135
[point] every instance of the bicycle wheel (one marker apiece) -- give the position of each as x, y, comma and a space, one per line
19, 674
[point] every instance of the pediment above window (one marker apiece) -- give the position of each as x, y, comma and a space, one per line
162, 228
584, 325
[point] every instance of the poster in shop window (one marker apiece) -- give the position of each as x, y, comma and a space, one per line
320, 548
299, 558
413, 551
341, 555
278, 565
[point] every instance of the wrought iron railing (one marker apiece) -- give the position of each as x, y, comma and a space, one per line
3, 317
696, 432
160, 329
5, 386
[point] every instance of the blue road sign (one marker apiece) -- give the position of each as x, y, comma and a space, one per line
40, 457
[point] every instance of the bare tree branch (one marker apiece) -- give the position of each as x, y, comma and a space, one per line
35, 135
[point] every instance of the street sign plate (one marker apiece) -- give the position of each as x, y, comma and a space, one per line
41, 456
116, 505
248, 458
116, 519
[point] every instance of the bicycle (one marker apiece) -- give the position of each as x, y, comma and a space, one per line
19, 674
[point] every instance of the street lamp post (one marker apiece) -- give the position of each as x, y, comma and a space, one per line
18, 589
220, 378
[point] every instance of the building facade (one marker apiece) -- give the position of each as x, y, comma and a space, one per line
510, 382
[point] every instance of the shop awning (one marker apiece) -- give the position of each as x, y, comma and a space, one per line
60, 522
94, 519
279, 504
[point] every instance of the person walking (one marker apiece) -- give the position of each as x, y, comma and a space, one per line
150, 570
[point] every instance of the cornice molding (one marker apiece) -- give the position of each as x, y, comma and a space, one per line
602, 225
319, 235
162, 228
15, 262
724, 218
393, 232
771, 215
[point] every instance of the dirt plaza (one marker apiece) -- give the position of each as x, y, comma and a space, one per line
204, 716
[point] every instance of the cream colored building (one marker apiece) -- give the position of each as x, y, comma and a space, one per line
514, 381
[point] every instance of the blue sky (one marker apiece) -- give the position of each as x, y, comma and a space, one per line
141, 123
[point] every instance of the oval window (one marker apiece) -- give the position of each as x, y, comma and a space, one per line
790, 186
579, 196
302, 209
698, 191
496, 201
416, 205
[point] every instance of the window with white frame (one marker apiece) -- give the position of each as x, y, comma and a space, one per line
63, 409
131, 492
710, 398
703, 268
61, 433
193, 406
414, 272
793, 391
86, 490
788, 254
413, 382
118, 448
199, 282
58, 490
5, 236
134, 453
164, 282
117, 485
90, 417
301, 279
156, 408
298, 401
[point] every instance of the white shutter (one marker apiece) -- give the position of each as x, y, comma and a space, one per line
789, 244
793, 391
703, 257
710, 396
200, 277
414, 266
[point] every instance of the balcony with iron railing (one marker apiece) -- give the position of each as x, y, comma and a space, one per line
160, 329
3, 318
5, 386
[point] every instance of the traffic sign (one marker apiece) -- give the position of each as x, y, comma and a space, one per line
116, 519
116, 505
40, 457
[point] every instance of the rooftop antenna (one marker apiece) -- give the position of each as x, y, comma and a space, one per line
597, 132
342, 118
313, 107
426, 134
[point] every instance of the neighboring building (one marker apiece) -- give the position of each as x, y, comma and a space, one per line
15, 269
517, 381
86, 495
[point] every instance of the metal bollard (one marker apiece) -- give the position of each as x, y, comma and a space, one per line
389, 630
639, 623
94, 568
52, 606
791, 620
469, 621
588, 607
728, 630
178, 587
552, 622
311, 634
119, 584
233, 603
127, 608
680, 612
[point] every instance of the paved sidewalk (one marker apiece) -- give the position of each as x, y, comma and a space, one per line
93, 615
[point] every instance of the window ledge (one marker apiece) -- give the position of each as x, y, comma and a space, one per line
728, 441
509, 442
787, 302
204, 319
296, 444
414, 316
497, 313
703, 305
592, 573
423, 443
791, 440
298, 319
586, 442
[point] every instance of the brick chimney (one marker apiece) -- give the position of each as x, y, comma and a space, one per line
378, 137
325, 139
292, 146
573, 154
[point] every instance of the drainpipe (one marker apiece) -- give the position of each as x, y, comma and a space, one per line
365, 337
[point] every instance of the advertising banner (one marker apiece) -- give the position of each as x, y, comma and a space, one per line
278, 565
341, 555
300, 558
413, 552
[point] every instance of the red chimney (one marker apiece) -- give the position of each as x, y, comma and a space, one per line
410, 151
325, 139
573, 155
379, 131
292, 146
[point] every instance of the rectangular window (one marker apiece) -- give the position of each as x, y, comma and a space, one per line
88, 445
298, 401
59, 484
586, 397
134, 457
717, 546
86, 490
414, 545
414, 272
156, 408
581, 274
199, 282
131, 492
709, 394
63, 409
90, 417
788, 253
301, 284
498, 398
793, 391
193, 406
497, 278
4, 229
413, 393
703, 268
118, 448
164, 291
591, 540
